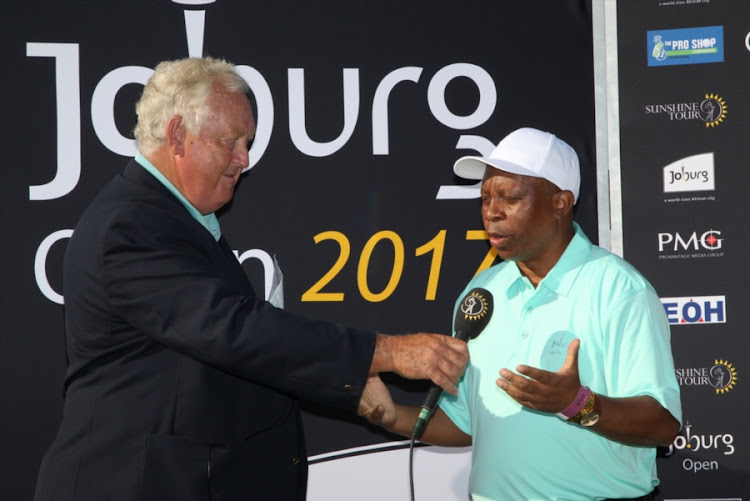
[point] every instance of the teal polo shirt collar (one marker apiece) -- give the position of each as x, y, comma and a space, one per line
209, 221
562, 276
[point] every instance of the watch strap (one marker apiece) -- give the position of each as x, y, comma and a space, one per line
589, 415
577, 405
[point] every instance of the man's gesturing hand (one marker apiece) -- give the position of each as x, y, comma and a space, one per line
543, 390
436, 357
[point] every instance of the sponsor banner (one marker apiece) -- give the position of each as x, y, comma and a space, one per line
684, 177
691, 245
693, 173
701, 450
720, 377
711, 110
695, 310
685, 46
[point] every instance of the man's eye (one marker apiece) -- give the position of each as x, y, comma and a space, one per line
250, 143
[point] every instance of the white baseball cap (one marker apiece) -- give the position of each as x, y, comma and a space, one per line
528, 152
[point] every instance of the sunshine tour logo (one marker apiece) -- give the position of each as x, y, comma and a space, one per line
695, 310
711, 110
720, 377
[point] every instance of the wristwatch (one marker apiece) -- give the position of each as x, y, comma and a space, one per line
590, 413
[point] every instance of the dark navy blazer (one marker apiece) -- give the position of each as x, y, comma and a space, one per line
181, 383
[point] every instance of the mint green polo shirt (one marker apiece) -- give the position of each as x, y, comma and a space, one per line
209, 221
522, 454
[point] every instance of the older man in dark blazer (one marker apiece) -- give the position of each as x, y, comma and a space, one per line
182, 384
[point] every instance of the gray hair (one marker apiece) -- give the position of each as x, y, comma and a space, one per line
180, 88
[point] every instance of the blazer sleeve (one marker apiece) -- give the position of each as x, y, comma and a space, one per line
167, 277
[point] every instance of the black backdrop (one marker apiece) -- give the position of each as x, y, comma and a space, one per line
465, 72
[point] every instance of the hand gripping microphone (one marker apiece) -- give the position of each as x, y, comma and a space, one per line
472, 317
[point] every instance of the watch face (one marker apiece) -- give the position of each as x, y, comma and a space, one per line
590, 419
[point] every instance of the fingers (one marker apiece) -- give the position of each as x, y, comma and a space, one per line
544, 390
451, 364
525, 391
374, 415
439, 358
375, 402
442, 359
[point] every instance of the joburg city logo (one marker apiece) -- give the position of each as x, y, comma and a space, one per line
685, 46
720, 377
695, 310
696, 245
711, 110
690, 174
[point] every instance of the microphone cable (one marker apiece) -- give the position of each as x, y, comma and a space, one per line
472, 316
411, 467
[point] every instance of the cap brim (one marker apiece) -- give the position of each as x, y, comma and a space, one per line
474, 167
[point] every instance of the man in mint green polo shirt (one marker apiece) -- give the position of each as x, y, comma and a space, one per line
571, 385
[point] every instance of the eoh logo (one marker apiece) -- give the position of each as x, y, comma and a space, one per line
694, 173
695, 310
685, 46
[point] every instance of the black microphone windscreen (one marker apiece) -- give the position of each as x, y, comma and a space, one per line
474, 312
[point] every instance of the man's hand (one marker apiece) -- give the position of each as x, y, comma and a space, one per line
543, 390
376, 404
437, 357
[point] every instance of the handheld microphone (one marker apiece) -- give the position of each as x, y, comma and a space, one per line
472, 317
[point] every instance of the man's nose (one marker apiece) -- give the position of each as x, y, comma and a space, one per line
242, 154
495, 209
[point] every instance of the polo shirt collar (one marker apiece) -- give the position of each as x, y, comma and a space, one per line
209, 221
562, 276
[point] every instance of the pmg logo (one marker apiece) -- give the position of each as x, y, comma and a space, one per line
695, 310
697, 244
708, 240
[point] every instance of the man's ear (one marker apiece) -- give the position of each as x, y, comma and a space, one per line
563, 201
176, 136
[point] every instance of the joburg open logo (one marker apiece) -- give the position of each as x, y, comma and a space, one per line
711, 447
711, 110
685, 46
721, 376
695, 310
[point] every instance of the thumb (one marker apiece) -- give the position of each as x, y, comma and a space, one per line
571, 360
376, 416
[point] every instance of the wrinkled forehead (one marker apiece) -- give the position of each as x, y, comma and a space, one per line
229, 109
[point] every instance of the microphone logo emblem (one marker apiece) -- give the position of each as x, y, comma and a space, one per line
474, 306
